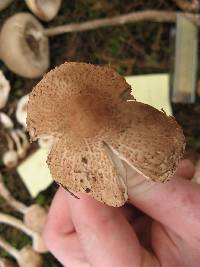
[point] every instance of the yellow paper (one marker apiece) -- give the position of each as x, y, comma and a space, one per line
35, 173
152, 89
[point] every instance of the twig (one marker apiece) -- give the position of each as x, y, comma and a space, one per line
147, 15
188, 5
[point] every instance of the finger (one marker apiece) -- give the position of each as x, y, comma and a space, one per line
105, 235
60, 236
59, 217
186, 169
175, 203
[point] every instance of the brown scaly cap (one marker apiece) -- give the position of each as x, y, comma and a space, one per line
152, 144
71, 96
95, 129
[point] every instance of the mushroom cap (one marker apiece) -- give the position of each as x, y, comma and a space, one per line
23, 47
35, 218
29, 258
83, 106
44, 9
4, 90
21, 111
10, 159
4, 4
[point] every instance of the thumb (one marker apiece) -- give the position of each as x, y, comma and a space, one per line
106, 237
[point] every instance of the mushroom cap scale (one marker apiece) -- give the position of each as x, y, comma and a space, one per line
44, 9
90, 170
23, 47
153, 143
50, 102
82, 105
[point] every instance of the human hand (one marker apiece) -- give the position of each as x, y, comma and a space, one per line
85, 232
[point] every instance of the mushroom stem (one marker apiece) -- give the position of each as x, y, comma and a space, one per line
22, 135
38, 243
4, 192
8, 248
21, 151
6, 121
4, 88
9, 220
147, 15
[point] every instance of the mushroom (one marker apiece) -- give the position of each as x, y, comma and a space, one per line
21, 111
26, 257
44, 9
4, 4
46, 142
22, 135
97, 129
23, 46
4, 90
21, 151
38, 243
29, 257
196, 177
4, 192
10, 157
6, 121
6, 263
35, 216
19, 136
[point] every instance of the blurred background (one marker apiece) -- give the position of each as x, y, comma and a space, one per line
29, 48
